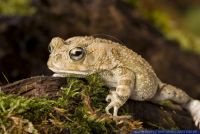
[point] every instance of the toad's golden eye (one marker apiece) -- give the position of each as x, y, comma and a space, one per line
77, 53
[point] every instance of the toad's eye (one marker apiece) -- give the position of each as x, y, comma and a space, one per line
77, 53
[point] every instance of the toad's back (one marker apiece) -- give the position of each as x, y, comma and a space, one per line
146, 82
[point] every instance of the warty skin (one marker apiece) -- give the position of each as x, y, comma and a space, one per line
120, 68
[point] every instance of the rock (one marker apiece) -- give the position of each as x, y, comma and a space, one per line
153, 116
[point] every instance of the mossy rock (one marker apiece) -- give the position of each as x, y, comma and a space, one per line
78, 107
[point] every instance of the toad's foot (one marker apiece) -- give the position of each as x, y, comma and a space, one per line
115, 103
194, 108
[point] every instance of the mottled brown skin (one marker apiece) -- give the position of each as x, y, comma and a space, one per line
120, 68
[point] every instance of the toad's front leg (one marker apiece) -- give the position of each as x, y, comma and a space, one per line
125, 85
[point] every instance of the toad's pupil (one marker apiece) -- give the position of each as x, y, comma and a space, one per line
77, 53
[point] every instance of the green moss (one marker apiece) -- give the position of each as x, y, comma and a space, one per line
169, 120
16, 7
80, 108
166, 103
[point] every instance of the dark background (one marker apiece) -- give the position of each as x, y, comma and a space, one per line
25, 35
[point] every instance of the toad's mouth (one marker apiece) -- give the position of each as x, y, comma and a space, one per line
64, 73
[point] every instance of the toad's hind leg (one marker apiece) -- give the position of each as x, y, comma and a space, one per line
169, 92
